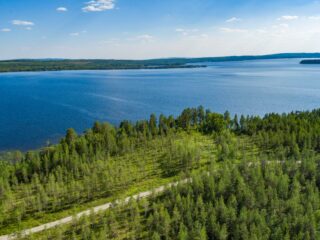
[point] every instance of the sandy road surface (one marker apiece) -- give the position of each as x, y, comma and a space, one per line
97, 209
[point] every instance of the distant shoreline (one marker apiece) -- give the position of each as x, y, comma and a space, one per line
41, 65
310, 61
104, 69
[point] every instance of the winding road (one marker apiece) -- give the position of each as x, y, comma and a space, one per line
97, 209
106, 206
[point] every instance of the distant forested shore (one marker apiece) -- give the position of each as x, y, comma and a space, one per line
26, 65
40, 65
310, 61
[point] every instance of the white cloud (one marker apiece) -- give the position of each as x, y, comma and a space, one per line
145, 37
233, 19
314, 18
233, 30
22, 23
261, 36
62, 9
288, 18
112, 41
281, 26
180, 30
29, 28
75, 34
5, 30
186, 32
99, 5
261, 31
140, 38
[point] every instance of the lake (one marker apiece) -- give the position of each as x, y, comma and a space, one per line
40, 106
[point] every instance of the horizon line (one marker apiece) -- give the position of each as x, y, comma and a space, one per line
165, 58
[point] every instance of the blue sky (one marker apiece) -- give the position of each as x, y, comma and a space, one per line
138, 29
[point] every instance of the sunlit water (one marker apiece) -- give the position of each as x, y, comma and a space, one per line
36, 107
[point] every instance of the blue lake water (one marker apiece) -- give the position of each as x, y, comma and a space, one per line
36, 107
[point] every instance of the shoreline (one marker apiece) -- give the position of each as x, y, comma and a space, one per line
105, 69
310, 62
44, 65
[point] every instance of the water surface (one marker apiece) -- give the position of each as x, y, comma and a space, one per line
37, 107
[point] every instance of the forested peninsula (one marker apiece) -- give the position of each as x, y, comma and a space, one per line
310, 61
25, 65
86, 64
252, 178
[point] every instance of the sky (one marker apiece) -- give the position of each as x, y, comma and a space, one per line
144, 29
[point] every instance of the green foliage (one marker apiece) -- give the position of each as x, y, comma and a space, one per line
262, 201
82, 168
181, 155
265, 184
215, 123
